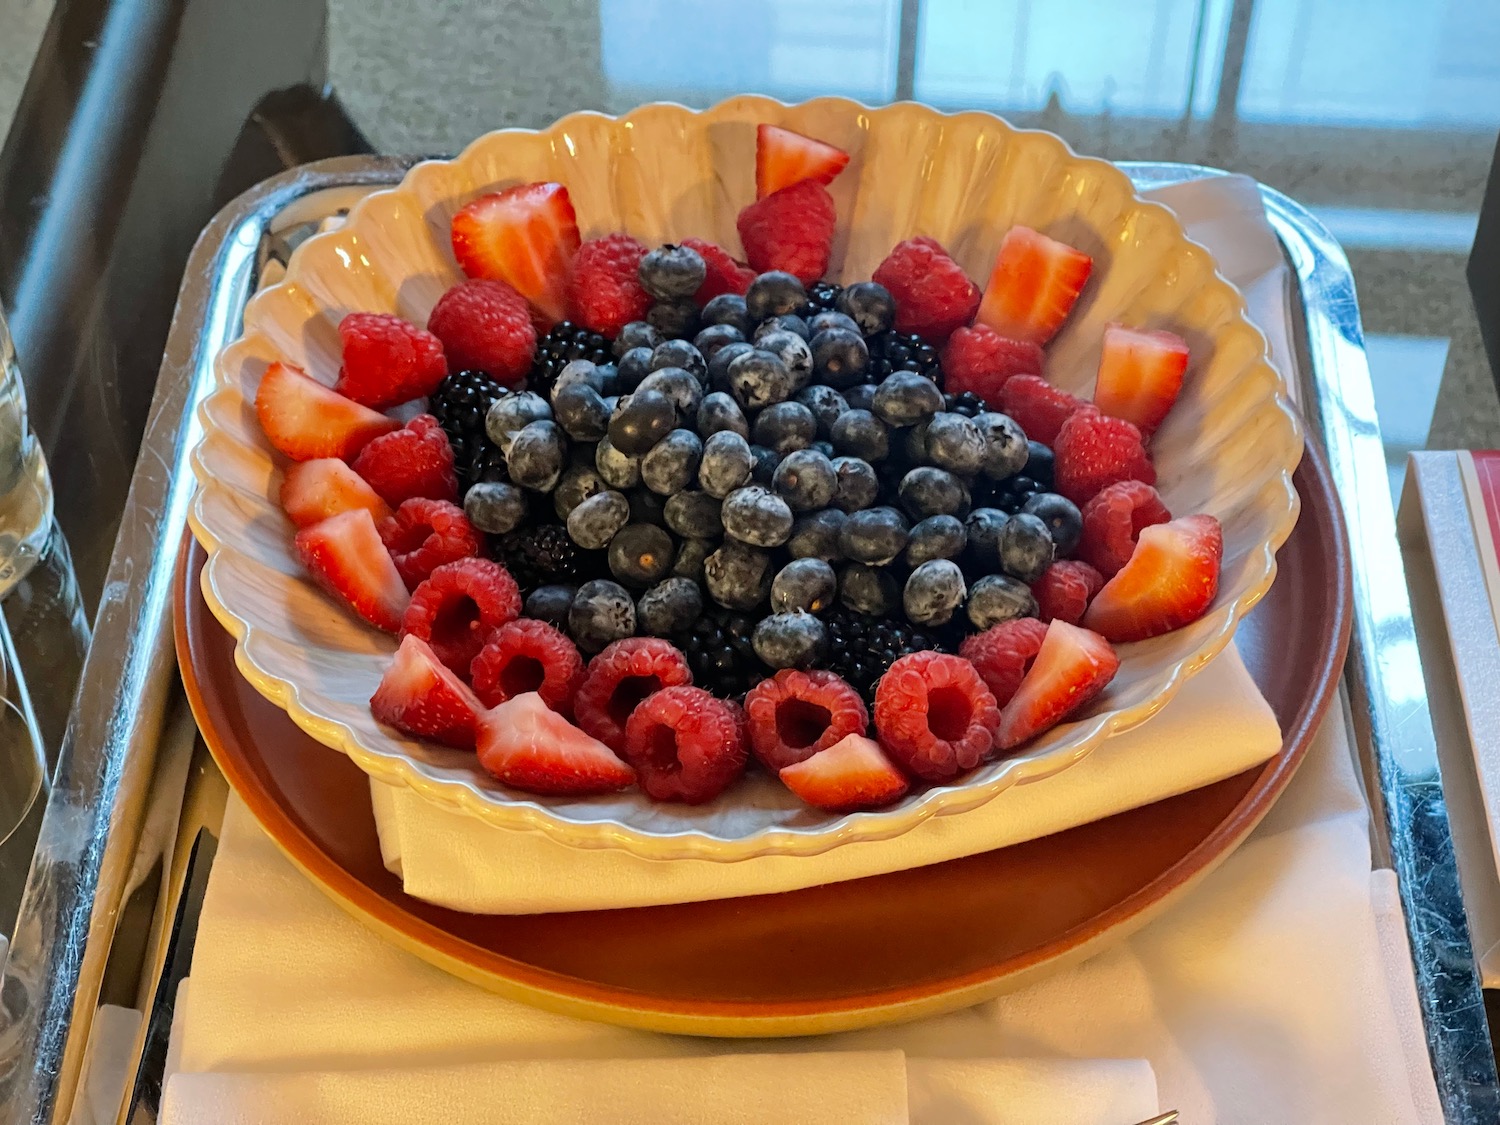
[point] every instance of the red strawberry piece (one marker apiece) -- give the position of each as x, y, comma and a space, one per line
413, 461
529, 746
345, 555
784, 158
420, 697
852, 774
485, 325
1112, 521
1002, 653
526, 655
794, 714
933, 294
387, 361
459, 607
620, 678
1140, 375
1033, 286
306, 420
424, 534
724, 274
934, 715
605, 293
1073, 666
1038, 406
525, 235
981, 361
1093, 451
1064, 590
791, 230
312, 491
1170, 580
685, 744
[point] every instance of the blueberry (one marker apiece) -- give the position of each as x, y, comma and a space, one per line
595, 521
674, 319
636, 334
914, 441
640, 554
816, 536
984, 526
757, 516
634, 366
495, 507
905, 398
784, 427
926, 491
669, 607
868, 589
806, 480
1005, 448
858, 484
766, 460
647, 507
875, 535
955, 443
537, 455
825, 403
711, 339
690, 558
576, 371
825, 448
550, 604
858, 433
671, 272
790, 640
641, 420
580, 411
606, 379
936, 537
774, 294
602, 612
672, 464
511, 414
694, 515
869, 304
680, 353
576, 485
787, 322
793, 351
1012, 495
999, 597
840, 357
737, 576
827, 319
726, 464
805, 584
758, 378
719, 411
728, 308
618, 470
1064, 521
1039, 463
933, 592
680, 386
1026, 547
718, 366
861, 396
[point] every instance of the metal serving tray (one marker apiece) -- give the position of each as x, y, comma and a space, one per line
83, 925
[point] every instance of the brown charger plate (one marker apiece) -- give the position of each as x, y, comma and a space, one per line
853, 954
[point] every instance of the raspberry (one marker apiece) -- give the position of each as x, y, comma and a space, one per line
791, 230
526, 655
485, 326
619, 679
1112, 522
1003, 653
934, 715
1037, 405
933, 294
459, 606
685, 744
1094, 450
387, 361
604, 292
413, 461
424, 534
980, 361
795, 714
725, 275
1065, 589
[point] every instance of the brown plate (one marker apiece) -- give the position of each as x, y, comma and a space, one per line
853, 954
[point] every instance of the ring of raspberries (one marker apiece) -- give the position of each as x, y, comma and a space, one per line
669, 515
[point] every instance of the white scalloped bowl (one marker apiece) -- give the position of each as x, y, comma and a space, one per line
664, 172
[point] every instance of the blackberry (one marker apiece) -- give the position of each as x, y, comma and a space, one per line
823, 296
554, 351
460, 404
719, 652
893, 351
861, 648
544, 555
968, 404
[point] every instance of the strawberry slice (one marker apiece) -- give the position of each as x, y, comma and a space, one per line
312, 491
1033, 286
529, 746
1140, 375
305, 420
1071, 668
345, 554
420, 696
1170, 580
784, 158
853, 773
525, 235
